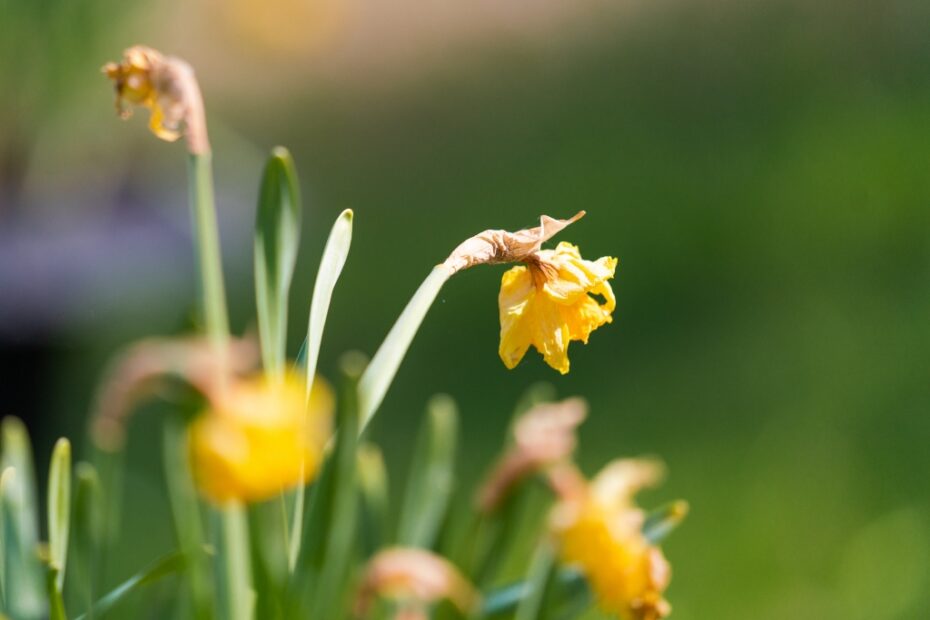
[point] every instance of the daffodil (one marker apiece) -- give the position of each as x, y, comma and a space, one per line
549, 300
260, 436
167, 87
599, 529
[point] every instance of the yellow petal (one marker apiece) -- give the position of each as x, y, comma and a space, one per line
551, 332
260, 438
157, 125
601, 533
516, 292
550, 302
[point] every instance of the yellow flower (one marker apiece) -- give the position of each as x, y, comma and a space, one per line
600, 530
260, 437
548, 303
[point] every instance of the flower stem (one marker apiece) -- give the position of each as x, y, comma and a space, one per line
238, 596
207, 242
234, 551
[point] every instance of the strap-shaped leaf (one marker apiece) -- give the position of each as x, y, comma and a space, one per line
86, 534
56, 601
7, 533
541, 577
429, 484
380, 373
373, 489
277, 238
661, 522
566, 595
334, 258
23, 569
59, 509
317, 586
174, 562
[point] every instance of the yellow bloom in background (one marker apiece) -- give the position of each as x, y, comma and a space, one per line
549, 302
260, 437
599, 529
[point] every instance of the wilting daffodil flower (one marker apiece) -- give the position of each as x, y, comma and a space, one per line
543, 437
416, 579
260, 436
548, 301
167, 87
599, 529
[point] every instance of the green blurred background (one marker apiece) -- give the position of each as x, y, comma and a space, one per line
760, 169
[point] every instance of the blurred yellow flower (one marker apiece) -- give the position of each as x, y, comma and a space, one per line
548, 303
259, 437
600, 530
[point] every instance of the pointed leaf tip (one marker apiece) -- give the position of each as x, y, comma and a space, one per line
59, 508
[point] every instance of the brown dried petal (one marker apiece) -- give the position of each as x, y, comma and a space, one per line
139, 371
414, 574
501, 246
168, 87
542, 437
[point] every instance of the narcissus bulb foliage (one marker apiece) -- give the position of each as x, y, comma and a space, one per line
599, 529
553, 298
260, 436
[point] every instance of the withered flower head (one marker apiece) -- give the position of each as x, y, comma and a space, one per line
416, 578
548, 301
141, 370
500, 246
543, 436
168, 88
599, 529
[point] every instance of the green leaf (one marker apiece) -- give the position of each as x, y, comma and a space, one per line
334, 258
541, 576
174, 562
380, 373
566, 595
7, 533
317, 587
509, 535
59, 509
56, 602
277, 238
185, 511
662, 521
429, 484
23, 569
536, 394
373, 487
268, 550
87, 535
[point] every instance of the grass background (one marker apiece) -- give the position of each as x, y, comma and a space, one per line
760, 169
